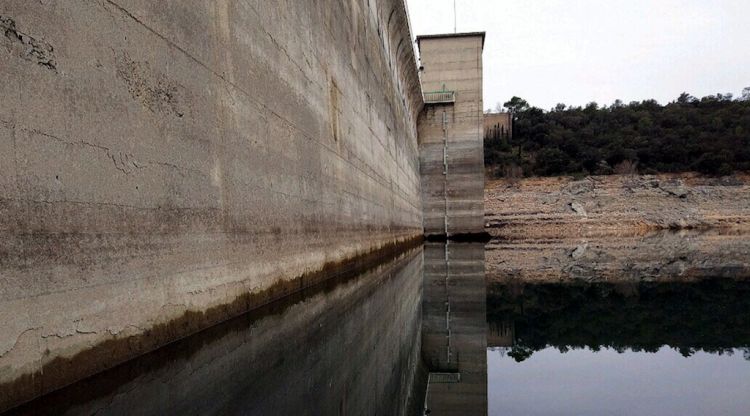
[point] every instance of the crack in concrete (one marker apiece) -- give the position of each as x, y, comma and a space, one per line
124, 162
27, 47
18, 338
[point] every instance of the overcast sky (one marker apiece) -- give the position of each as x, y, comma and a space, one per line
575, 52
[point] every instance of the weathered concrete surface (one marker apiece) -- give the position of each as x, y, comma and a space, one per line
162, 160
450, 135
348, 350
454, 329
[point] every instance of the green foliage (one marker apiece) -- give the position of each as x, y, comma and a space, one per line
709, 135
517, 105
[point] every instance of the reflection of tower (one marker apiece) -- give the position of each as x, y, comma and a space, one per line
454, 331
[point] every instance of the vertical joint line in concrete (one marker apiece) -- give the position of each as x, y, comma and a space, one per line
447, 301
445, 143
445, 173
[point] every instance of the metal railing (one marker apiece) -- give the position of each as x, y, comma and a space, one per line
439, 97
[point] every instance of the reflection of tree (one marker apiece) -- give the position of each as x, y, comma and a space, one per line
520, 352
711, 316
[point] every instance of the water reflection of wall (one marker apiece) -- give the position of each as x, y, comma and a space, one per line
349, 350
454, 339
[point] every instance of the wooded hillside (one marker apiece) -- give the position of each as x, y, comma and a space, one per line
709, 135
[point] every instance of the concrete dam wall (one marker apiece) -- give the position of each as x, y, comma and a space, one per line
166, 165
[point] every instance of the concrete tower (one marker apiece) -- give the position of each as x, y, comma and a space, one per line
451, 133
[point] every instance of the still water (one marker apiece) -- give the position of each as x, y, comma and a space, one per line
428, 330
619, 349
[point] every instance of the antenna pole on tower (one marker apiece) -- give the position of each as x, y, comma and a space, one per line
455, 29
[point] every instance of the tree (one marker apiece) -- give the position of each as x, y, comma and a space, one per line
517, 105
686, 99
552, 161
592, 106
710, 135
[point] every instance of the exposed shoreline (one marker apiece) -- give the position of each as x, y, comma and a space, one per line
615, 205
618, 228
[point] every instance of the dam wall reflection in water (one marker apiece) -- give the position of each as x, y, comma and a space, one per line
351, 346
